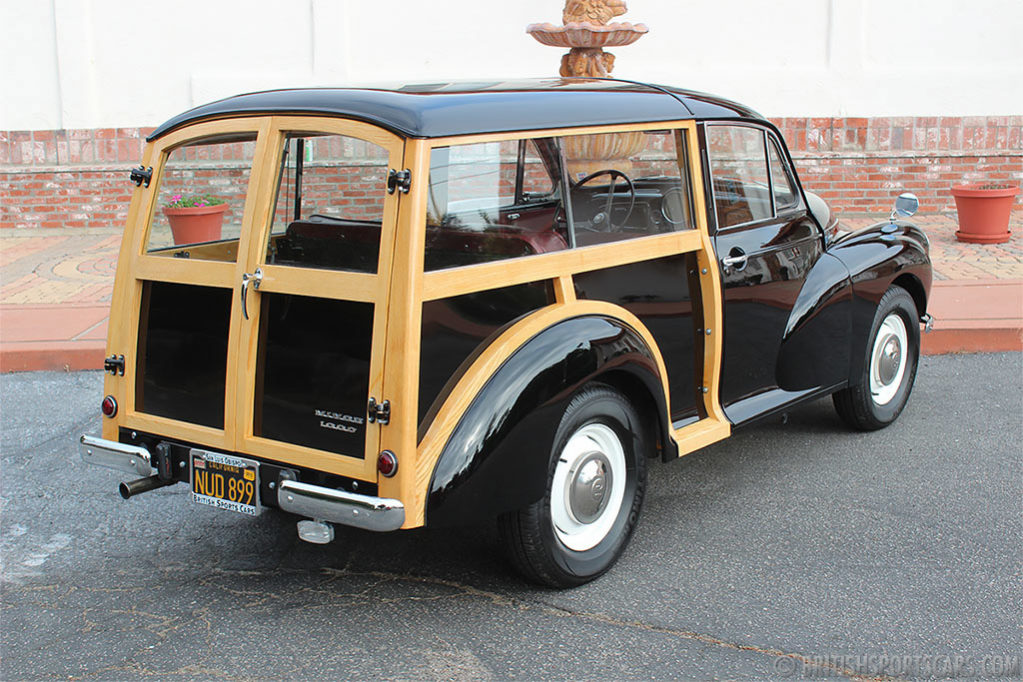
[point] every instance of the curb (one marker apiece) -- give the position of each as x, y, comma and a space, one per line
67, 356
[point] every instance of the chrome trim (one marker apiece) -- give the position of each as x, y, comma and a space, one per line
340, 506
928, 322
131, 459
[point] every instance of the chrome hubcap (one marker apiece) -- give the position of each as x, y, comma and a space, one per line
588, 487
891, 357
588, 493
888, 359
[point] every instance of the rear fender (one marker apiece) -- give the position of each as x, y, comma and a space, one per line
508, 405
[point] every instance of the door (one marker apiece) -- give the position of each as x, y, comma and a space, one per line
313, 331
264, 339
766, 244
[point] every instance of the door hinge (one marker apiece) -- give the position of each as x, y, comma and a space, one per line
379, 412
140, 175
114, 364
401, 180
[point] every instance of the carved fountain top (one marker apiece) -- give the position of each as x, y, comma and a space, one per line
592, 11
586, 26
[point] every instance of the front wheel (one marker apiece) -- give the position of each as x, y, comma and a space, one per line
595, 485
893, 352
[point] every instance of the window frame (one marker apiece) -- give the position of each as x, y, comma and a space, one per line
456, 280
768, 137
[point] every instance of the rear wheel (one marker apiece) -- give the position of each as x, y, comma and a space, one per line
595, 484
890, 366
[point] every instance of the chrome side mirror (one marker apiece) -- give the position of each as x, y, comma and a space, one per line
905, 206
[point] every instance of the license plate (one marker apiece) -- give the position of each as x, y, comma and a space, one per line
225, 481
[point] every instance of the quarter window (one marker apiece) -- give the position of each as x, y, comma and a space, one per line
785, 194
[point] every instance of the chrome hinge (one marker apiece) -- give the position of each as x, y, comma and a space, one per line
140, 175
928, 322
400, 180
114, 364
379, 412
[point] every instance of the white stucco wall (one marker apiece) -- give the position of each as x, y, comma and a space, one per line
112, 63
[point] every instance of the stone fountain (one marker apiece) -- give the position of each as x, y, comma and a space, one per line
587, 31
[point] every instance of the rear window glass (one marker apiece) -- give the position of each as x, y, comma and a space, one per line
201, 198
329, 205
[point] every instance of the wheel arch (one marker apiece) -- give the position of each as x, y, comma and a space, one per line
490, 453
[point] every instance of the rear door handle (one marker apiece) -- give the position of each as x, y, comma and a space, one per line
256, 277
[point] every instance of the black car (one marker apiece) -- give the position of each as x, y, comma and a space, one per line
448, 303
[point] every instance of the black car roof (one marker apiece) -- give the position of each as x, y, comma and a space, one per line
444, 109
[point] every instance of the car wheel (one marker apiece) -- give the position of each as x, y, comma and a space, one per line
595, 484
890, 367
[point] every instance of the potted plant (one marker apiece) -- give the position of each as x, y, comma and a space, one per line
984, 210
195, 218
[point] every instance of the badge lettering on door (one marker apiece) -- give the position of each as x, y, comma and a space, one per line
330, 420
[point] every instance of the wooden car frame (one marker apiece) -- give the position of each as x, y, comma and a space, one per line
541, 381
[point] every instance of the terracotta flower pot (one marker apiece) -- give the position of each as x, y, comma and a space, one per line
984, 212
195, 224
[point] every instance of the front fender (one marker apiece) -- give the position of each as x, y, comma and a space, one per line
815, 349
497, 456
878, 257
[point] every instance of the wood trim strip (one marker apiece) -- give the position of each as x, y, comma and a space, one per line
470, 278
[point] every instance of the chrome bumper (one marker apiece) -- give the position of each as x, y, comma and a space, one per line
338, 506
131, 459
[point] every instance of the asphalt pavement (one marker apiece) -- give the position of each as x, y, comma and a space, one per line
795, 549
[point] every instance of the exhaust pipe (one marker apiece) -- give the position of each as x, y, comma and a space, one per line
142, 485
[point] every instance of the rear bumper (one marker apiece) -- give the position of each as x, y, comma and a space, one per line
339, 506
304, 499
131, 459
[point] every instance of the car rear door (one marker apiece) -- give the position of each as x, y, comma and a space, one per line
265, 338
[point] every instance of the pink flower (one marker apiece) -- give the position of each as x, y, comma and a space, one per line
202, 204
176, 197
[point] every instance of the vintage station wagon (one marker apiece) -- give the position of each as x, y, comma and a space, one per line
448, 303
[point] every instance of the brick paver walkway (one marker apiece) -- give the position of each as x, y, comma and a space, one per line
42, 266
55, 284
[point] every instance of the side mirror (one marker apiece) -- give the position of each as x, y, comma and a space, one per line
905, 205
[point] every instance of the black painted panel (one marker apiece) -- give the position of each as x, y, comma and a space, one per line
657, 292
456, 328
182, 352
312, 376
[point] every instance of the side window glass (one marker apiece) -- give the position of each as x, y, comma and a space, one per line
784, 188
329, 205
742, 192
626, 185
201, 199
490, 201
496, 200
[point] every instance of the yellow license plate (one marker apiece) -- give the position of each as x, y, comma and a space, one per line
225, 481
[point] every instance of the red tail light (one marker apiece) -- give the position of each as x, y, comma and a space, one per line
108, 406
387, 463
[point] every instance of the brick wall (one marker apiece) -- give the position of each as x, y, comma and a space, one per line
77, 178
860, 164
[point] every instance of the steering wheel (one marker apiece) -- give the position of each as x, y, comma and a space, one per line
601, 222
